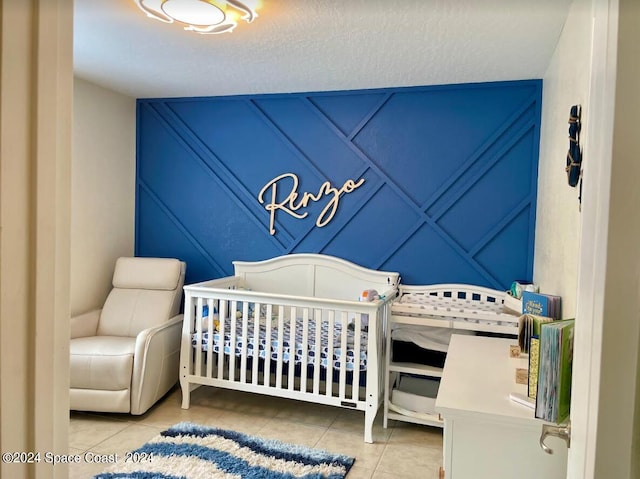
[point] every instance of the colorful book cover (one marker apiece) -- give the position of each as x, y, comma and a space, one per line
541, 304
566, 367
553, 394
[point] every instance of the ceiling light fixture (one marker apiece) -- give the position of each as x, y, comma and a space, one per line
200, 16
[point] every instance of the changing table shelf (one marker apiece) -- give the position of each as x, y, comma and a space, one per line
415, 368
393, 375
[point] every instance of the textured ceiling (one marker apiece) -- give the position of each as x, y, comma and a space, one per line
318, 45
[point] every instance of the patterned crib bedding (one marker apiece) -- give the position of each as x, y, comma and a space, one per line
259, 345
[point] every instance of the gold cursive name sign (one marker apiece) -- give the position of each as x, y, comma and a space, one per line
290, 206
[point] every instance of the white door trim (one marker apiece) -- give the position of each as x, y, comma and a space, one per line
598, 145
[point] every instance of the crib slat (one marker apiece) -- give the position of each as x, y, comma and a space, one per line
211, 331
317, 349
256, 343
355, 381
305, 353
232, 343
343, 357
222, 315
279, 352
243, 349
329, 370
267, 355
292, 348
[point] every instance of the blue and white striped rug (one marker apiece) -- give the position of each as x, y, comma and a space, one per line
190, 451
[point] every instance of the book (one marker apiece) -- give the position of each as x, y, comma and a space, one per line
541, 304
534, 363
555, 361
529, 326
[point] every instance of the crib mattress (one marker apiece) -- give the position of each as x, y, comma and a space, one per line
261, 346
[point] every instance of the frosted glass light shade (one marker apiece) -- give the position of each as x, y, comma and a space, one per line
193, 12
200, 16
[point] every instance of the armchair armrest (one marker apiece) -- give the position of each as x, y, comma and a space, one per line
156, 363
85, 324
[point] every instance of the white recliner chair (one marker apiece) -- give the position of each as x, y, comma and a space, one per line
125, 356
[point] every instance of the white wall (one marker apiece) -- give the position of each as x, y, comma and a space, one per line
565, 83
102, 190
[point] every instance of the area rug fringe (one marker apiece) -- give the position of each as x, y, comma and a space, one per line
190, 451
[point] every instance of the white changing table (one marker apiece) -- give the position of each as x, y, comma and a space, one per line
486, 434
450, 307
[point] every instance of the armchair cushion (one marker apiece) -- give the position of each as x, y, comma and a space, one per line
126, 312
147, 273
102, 362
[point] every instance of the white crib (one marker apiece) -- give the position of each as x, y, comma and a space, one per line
293, 327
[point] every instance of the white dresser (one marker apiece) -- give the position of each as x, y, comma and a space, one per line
486, 434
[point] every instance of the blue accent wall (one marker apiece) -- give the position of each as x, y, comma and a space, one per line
449, 192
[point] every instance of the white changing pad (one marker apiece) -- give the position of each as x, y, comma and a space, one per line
457, 307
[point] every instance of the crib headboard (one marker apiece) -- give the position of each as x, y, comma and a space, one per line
317, 275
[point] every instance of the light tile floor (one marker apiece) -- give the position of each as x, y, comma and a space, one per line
401, 451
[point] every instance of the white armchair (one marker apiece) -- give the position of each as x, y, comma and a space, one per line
125, 356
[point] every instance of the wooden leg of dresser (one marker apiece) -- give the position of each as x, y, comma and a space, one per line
441, 473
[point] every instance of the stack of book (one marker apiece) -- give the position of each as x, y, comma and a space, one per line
537, 308
550, 368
